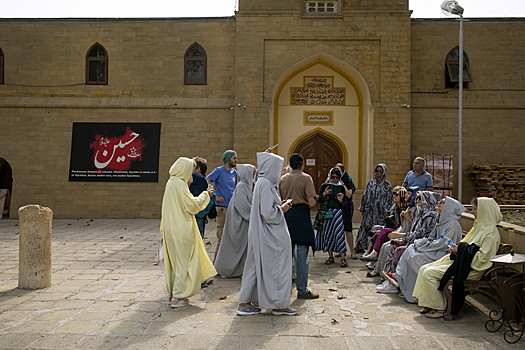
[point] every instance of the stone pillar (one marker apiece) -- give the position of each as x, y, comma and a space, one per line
34, 271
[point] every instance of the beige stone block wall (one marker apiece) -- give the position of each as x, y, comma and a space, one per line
494, 103
37, 144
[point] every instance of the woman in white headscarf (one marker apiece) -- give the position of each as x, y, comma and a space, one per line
430, 249
483, 234
267, 275
186, 261
376, 202
234, 243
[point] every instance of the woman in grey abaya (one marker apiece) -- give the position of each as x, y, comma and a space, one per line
232, 251
267, 276
433, 248
377, 200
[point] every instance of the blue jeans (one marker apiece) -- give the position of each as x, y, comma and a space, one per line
301, 281
201, 225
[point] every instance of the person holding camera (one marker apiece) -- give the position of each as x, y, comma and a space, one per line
332, 237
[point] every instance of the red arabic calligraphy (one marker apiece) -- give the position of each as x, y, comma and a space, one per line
117, 153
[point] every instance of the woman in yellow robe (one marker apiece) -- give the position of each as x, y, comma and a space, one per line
186, 261
484, 234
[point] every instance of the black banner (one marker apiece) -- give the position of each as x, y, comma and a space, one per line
115, 152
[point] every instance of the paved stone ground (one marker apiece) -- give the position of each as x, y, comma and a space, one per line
107, 292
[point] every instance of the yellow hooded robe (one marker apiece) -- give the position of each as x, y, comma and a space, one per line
484, 234
186, 261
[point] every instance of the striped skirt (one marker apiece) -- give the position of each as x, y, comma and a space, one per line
332, 238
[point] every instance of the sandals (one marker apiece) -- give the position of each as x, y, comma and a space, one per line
370, 274
330, 261
436, 314
343, 263
425, 310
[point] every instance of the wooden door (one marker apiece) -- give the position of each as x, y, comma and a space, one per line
320, 154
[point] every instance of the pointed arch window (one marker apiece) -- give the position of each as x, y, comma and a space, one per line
97, 65
195, 65
452, 69
1, 66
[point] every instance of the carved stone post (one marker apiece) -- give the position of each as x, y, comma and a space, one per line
34, 270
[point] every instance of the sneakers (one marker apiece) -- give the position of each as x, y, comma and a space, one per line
308, 295
388, 288
380, 286
353, 256
248, 310
176, 303
288, 312
390, 278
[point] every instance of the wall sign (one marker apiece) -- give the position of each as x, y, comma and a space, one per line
318, 118
115, 152
318, 91
310, 162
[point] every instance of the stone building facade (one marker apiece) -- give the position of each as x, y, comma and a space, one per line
335, 83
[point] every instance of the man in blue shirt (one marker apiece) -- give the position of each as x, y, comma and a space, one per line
419, 177
224, 180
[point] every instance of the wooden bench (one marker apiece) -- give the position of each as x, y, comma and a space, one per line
474, 286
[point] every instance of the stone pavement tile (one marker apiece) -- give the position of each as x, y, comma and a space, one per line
213, 316
367, 308
63, 289
72, 304
318, 343
136, 316
297, 329
17, 341
369, 343
32, 305
123, 327
464, 343
57, 341
50, 296
163, 327
144, 342
236, 342
377, 318
130, 289
78, 327
264, 327
299, 318
496, 341
415, 342
100, 342
95, 315
280, 342
13, 315
428, 328
376, 329
69, 282
55, 315
193, 341
34, 327
115, 296
145, 306
87, 296
337, 330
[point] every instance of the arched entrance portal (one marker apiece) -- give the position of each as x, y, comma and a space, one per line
320, 154
6, 186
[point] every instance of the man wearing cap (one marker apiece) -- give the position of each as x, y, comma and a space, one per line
224, 180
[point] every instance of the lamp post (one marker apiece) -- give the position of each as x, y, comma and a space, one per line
451, 7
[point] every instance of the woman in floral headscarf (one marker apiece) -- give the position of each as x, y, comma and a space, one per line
375, 204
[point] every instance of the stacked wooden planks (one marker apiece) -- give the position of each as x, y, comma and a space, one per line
503, 182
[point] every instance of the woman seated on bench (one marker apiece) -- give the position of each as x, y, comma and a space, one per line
484, 235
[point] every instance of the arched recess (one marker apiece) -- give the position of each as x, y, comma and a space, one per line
363, 155
321, 150
6, 183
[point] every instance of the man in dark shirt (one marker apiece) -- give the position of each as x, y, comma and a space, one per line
199, 185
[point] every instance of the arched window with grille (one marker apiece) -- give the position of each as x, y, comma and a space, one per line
452, 70
97, 65
195, 65
1, 66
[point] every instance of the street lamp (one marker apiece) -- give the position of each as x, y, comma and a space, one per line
451, 7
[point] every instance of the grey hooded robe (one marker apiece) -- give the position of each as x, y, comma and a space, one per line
232, 251
267, 276
430, 249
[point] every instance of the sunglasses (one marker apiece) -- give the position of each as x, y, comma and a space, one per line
441, 201
396, 194
335, 177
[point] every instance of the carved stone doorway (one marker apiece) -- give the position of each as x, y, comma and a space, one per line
320, 154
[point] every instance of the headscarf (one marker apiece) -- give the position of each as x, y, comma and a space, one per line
331, 182
245, 172
181, 169
488, 217
383, 166
412, 200
269, 166
401, 191
228, 155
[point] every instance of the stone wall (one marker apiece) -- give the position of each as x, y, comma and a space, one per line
494, 103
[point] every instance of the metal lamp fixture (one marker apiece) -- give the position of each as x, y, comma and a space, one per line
451, 7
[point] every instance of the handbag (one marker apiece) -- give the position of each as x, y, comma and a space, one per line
328, 214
